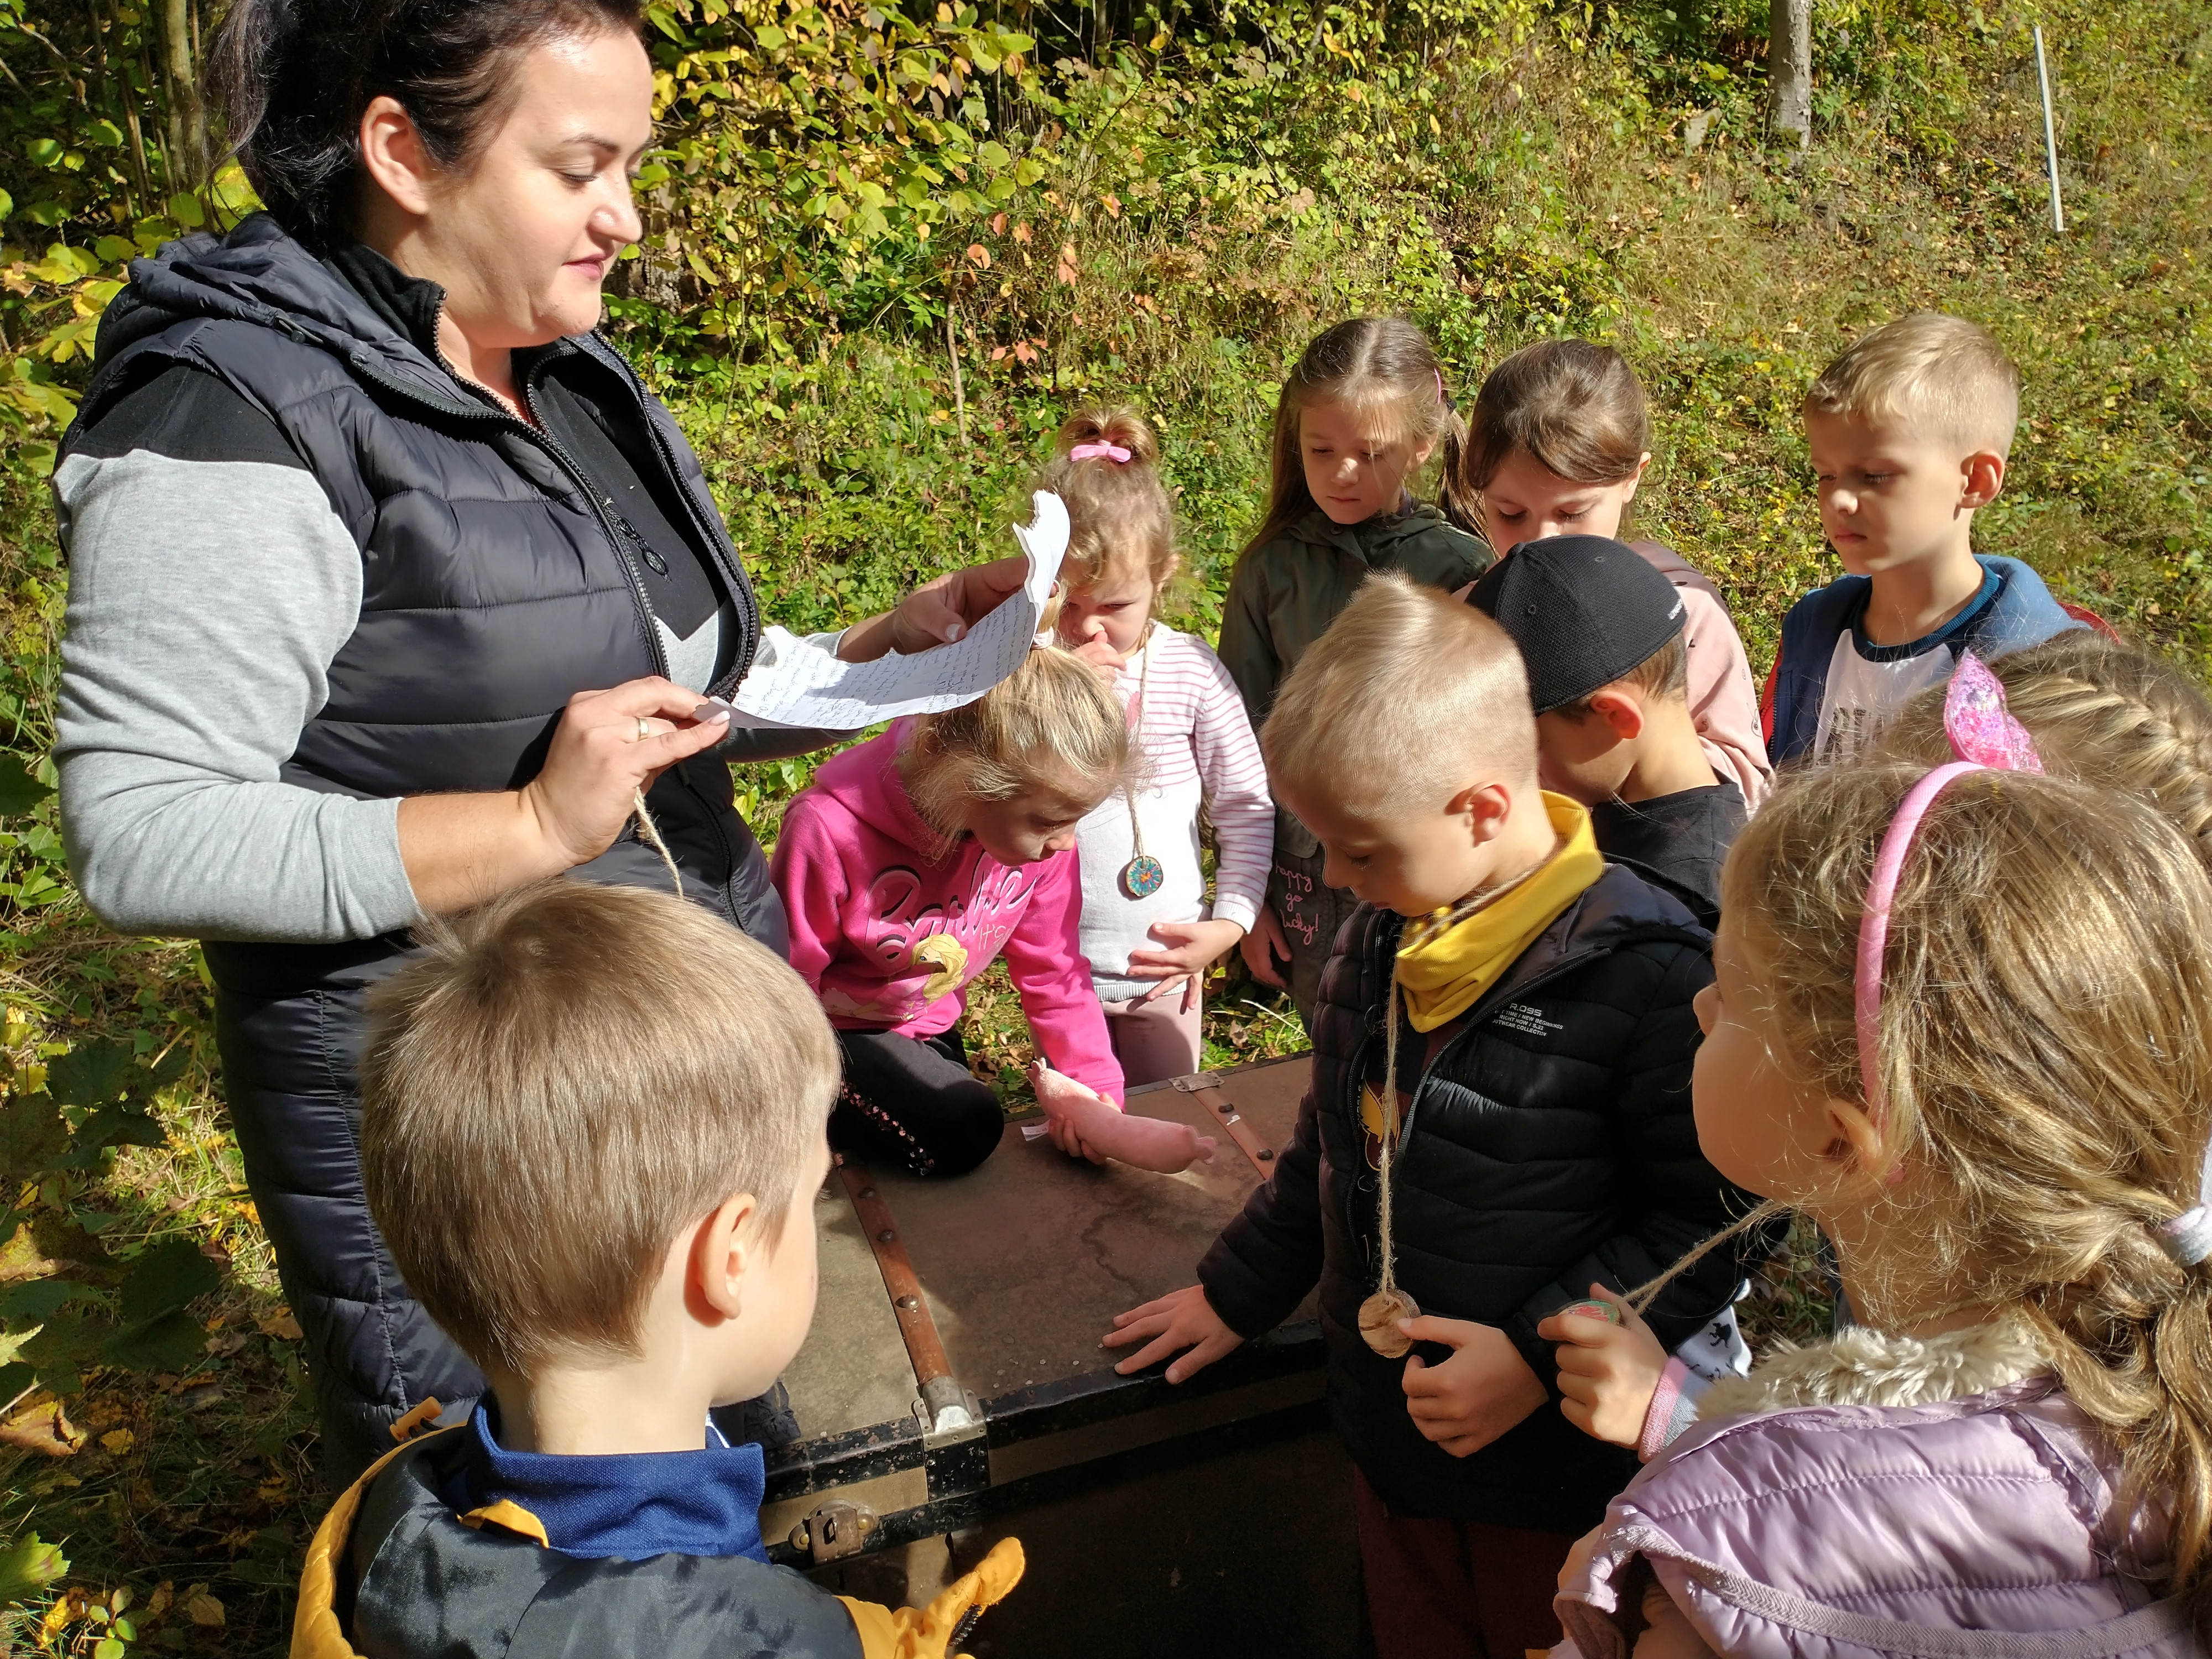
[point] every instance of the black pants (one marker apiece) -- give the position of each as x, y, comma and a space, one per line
910, 1101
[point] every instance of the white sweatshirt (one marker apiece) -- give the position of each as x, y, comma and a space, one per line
1197, 744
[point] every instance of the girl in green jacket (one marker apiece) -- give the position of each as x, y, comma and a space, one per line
1359, 417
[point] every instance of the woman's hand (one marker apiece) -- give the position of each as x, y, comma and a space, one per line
1609, 1371
1181, 1319
1193, 947
460, 850
939, 612
1264, 947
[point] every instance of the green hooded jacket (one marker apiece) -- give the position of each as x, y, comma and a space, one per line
1286, 591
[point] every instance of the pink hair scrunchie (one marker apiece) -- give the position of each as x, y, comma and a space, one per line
1105, 452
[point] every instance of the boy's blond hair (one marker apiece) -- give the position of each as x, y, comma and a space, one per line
1409, 697
1928, 372
556, 1085
1051, 725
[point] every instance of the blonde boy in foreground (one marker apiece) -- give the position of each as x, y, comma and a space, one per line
591, 1130
1909, 431
1539, 1124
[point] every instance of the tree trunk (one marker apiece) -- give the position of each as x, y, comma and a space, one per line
1789, 68
187, 122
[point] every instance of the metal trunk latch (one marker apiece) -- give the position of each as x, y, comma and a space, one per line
835, 1530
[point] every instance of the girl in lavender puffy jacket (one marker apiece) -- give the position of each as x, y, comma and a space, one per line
1958, 1022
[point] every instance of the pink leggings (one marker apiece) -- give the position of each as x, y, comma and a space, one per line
1155, 1042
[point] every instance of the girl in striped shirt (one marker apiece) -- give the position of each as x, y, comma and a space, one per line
1147, 929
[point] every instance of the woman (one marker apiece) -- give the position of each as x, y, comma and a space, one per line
391, 583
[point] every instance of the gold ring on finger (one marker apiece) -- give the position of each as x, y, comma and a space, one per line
644, 728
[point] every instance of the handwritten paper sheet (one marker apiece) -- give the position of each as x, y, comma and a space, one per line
797, 682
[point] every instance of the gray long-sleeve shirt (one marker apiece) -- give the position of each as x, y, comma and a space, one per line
211, 586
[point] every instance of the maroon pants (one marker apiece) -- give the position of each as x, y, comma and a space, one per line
1456, 1589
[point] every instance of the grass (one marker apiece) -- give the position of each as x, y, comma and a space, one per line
1611, 183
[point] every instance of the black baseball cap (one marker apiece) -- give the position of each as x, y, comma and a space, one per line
1586, 611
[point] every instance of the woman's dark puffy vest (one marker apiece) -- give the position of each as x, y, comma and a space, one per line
492, 589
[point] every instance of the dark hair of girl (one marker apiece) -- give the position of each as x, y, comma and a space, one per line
293, 77
1385, 367
1577, 409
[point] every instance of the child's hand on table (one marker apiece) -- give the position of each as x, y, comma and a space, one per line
1608, 1371
1193, 947
1181, 1319
1485, 1388
1265, 946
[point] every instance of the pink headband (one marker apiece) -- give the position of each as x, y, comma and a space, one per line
1113, 452
1984, 738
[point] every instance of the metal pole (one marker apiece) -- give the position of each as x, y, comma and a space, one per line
2050, 135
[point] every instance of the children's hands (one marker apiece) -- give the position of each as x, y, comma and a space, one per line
1264, 947
1181, 1319
1193, 947
1607, 1372
1481, 1391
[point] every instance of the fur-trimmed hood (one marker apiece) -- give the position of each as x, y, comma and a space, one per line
1877, 1495
1862, 1366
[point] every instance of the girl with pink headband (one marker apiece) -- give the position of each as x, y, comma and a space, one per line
1957, 1023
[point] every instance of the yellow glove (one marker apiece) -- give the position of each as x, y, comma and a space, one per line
927, 1633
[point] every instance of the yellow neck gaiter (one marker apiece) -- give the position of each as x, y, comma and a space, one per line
1443, 976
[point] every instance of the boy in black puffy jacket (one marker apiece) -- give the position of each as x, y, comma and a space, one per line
1540, 1136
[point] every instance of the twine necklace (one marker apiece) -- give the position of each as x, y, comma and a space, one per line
1141, 876
1380, 1313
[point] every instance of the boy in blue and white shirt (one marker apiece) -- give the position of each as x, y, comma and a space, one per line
1910, 429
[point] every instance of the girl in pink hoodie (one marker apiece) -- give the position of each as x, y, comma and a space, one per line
914, 860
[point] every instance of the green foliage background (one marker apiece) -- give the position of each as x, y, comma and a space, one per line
888, 249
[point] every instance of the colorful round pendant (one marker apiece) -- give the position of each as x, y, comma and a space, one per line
1141, 876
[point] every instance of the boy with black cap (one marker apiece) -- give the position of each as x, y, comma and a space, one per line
1601, 633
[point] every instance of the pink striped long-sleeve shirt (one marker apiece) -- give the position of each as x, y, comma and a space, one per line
1198, 747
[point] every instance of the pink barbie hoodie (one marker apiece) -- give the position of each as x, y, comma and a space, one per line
889, 931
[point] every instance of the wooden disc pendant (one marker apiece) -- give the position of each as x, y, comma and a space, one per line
1378, 1322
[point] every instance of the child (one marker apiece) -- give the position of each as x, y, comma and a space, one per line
1910, 429
1958, 1023
1557, 446
1601, 633
591, 1130
911, 862
1361, 413
1541, 1070
2105, 712
1146, 929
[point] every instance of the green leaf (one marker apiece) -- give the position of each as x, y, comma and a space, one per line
105, 132
771, 38
993, 153
45, 152
108, 1648
28, 1568
169, 1342
7, 205
37, 1299
20, 788
184, 208
165, 1278
31, 1135
11, 1344
115, 250
67, 1343
91, 1074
